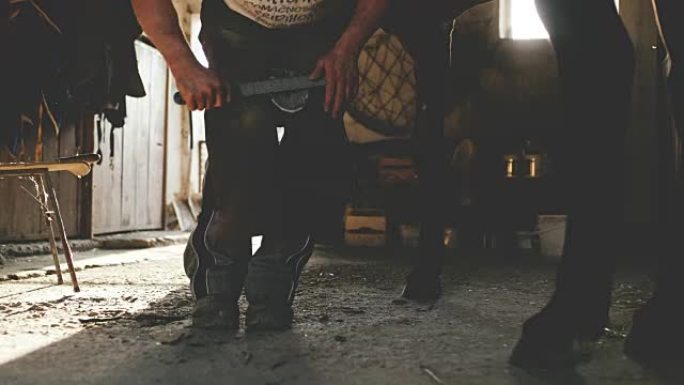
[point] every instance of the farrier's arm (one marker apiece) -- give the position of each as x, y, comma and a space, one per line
339, 65
200, 87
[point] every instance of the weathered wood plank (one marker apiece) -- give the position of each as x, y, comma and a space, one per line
158, 91
107, 183
67, 184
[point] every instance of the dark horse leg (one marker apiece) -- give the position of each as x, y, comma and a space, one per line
670, 13
424, 30
423, 34
657, 332
596, 65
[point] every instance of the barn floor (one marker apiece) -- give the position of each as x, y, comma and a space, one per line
130, 325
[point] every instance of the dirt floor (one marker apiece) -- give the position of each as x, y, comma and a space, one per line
130, 325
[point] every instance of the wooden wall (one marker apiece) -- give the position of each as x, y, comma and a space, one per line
502, 88
184, 130
20, 215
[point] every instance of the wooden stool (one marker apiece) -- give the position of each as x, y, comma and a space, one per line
46, 196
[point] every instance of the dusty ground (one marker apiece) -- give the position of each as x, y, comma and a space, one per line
131, 240
130, 325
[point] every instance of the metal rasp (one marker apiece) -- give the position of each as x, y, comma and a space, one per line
269, 87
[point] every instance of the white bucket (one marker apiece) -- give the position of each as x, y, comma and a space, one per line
551, 230
410, 235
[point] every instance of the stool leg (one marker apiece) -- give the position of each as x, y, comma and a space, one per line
52, 196
49, 219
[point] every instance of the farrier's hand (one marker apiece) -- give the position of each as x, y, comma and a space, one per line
340, 68
200, 87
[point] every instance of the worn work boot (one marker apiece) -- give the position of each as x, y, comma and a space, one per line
219, 308
216, 312
272, 279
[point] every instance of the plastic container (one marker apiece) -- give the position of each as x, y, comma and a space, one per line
551, 231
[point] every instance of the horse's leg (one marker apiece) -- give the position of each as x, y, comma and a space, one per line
669, 17
426, 40
656, 331
596, 65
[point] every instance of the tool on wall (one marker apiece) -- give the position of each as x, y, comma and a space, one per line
101, 129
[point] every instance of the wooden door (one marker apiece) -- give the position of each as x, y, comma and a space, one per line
128, 187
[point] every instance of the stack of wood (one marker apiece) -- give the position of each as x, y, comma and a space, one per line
397, 170
386, 203
365, 227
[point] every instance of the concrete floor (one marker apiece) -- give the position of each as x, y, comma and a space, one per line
130, 325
